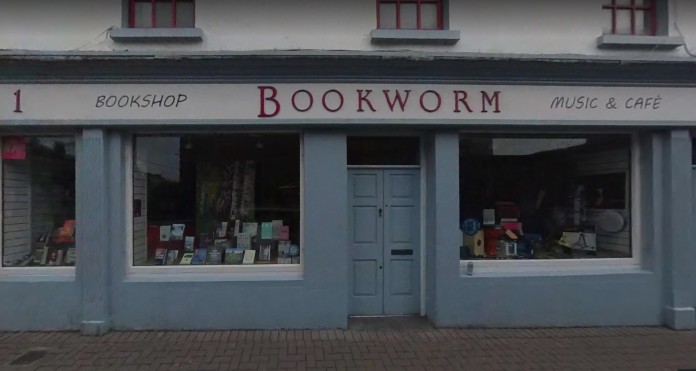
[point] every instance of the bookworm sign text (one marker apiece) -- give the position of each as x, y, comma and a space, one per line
341, 103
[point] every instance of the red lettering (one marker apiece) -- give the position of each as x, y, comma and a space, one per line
271, 98
397, 98
460, 96
362, 99
311, 100
487, 99
323, 100
422, 101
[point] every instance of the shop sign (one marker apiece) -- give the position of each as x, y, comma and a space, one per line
258, 103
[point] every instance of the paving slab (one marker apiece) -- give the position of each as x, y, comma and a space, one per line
367, 344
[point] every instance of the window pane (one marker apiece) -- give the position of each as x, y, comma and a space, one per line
429, 17
143, 14
216, 199
383, 151
387, 15
545, 197
163, 14
185, 14
38, 204
409, 16
623, 22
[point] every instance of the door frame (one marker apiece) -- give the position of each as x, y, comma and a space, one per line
423, 203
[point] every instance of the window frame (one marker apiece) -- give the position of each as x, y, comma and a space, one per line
649, 12
66, 272
440, 14
567, 266
256, 272
131, 14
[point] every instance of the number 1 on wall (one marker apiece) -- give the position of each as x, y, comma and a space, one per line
18, 101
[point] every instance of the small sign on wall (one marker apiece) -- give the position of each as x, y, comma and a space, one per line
14, 148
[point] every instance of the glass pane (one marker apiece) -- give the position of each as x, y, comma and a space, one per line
216, 199
387, 15
429, 16
383, 151
623, 22
143, 14
409, 16
544, 197
185, 14
38, 201
163, 14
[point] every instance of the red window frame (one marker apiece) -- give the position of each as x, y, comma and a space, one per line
153, 24
418, 11
649, 10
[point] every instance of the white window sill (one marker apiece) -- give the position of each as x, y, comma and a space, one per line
37, 274
437, 37
550, 267
610, 41
156, 34
210, 273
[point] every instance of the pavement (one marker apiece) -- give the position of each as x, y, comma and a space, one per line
367, 344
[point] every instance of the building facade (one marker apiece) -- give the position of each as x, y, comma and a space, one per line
209, 165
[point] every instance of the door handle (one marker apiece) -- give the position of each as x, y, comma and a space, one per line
379, 212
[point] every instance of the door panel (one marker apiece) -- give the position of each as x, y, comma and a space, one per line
384, 225
366, 241
401, 245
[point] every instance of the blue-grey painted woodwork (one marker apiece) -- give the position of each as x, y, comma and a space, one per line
384, 239
679, 252
366, 242
93, 230
401, 241
317, 298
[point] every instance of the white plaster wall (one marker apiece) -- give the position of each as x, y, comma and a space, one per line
487, 26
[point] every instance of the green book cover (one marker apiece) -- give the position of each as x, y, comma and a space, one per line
267, 230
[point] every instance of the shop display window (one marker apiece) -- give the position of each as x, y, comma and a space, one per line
38, 201
545, 197
216, 199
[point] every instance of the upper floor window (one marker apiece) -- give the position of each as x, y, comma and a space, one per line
632, 17
410, 14
162, 13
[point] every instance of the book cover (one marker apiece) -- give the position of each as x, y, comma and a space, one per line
172, 256
199, 256
244, 241
250, 228
160, 256
214, 257
189, 243
234, 255
66, 233
283, 250
71, 256
52, 257
186, 259
177, 233
44, 256
237, 227
249, 256
284, 233
267, 230
221, 230
165, 232
275, 228
265, 250
38, 255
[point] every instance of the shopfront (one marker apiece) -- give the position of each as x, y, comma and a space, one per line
252, 201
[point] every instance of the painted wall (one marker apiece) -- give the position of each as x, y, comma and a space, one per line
620, 296
317, 299
493, 26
